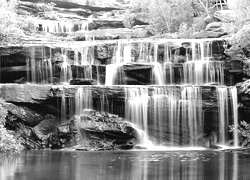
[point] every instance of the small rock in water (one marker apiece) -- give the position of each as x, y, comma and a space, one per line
22, 80
139, 147
80, 81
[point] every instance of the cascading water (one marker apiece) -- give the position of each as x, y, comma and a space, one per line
234, 104
202, 72
65, 26
136, 106
223, 114
66, 72
191, 113
83, 100
176, 114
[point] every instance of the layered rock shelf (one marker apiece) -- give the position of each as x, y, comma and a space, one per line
73, 57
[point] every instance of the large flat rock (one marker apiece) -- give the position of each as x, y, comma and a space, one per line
27, 93
34, 93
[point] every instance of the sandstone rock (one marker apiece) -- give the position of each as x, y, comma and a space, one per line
234, 66
6, 51
220, 28
24, 92
81, 81
46, 127
141, 31
227, 16
103, 52
133, 19
110, 129
246, 69
209, 19
27, 115
106, 24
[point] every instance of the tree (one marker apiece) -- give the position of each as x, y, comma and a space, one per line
7, 18
8, 143
167, 15
241, 9
240, 42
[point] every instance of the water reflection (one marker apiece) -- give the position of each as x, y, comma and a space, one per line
121, 165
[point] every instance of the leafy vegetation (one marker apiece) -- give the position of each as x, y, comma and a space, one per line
240, 41
244, 130
8, 143
8, 23
168, 16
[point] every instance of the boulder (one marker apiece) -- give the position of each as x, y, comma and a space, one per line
210, 19
142, 31
27, 115
106, 131
81, 81
46, 127
219, 29
227, 16
103, 52
133, 19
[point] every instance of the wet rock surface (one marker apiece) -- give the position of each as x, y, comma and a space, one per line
106, 131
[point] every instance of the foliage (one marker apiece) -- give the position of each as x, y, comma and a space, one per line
7, 19
244, 130
241, 9
240, 41
168, 16
8, 143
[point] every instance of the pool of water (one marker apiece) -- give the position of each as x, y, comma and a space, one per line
126, 165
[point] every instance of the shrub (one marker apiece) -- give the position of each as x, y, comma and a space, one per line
240, 41
8, 22
168, 16
8, 143
244, 130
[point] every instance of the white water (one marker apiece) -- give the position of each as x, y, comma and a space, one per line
184, 114
114, 74
62, 26
202, 72
83, 100
191, 112
234, 106
223, 112
66, 72
136, 106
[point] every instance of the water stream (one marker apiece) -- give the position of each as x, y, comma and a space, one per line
162, 81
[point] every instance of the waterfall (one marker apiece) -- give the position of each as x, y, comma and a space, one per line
127, 53
157, 73
33, 64
168, 73
202, 72
83, 100
234, 107
176, 71
114, 74
66, 73
191, 113
63, 26
165, 111
136, 106
223, 112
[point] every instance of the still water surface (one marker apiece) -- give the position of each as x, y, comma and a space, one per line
126, 165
